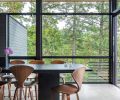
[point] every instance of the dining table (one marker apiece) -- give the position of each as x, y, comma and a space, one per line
49, 76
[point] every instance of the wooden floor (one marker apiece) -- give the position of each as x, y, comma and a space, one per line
95, 92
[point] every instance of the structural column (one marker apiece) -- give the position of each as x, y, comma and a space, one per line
3, 39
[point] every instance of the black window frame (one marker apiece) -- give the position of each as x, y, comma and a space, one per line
113, 11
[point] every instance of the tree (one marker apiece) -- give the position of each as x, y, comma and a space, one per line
11, 7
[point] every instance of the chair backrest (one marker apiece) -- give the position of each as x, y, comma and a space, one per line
78, 75
21, 72
57, 62
17, 62
36, 62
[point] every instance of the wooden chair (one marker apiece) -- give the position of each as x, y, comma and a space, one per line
62, 76
0, 69
68, 89
36, 62
21, 72
2, 83
36, 75
17, 62
10, 77
57, 62
27, 84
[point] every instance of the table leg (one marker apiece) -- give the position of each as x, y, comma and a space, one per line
46, 82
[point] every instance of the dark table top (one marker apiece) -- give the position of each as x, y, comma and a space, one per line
48, 68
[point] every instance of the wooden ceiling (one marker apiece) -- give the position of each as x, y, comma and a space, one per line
55, 0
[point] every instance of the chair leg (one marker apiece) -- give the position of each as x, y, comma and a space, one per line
1, 93
28, 94
9, 90
63, 96
36, 92
68, 97
21, 93
31, 94
3, 87
77, 96
15, 94
25, 93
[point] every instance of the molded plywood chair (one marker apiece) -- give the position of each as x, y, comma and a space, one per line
10, 77
36, 75
59, 62
27, 84
68, 89
2, 83
21, 72
0, 69
36, 62
17, 62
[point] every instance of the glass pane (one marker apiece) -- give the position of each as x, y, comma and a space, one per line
118, 3
85, 35
118, 52
75, 7
22, 35
17, 7
99, 69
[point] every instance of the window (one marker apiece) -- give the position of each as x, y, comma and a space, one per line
118, 52
77, 29
77, 32
75, 35
76, 7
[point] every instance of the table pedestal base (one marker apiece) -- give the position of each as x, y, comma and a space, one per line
46, 82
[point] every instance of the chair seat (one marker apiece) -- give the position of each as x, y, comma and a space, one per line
26, 83
66, 88
29, 83
7, 76
32, 76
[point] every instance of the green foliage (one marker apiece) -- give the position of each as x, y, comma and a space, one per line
11, 7
31, 41
81, 35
